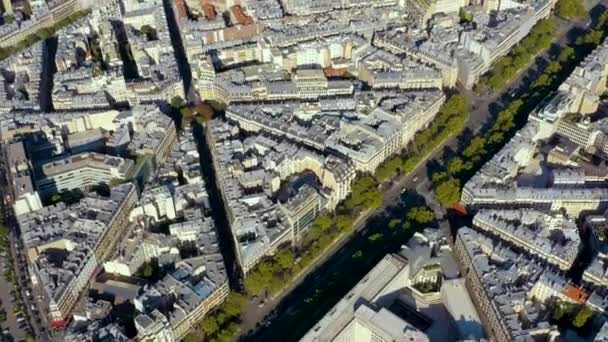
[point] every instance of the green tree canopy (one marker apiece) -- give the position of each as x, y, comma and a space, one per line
376, 237
388, 169
149, 31
344, 222
192, 338
285, 259
323, 222
177, 102
566, 54
476, 148
421, 215
365, 193
147, 270
455, 166
210, 325
234, 304
582, 316
448, 192
570, 8
394, 223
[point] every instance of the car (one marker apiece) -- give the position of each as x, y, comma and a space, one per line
261, 305
415, 179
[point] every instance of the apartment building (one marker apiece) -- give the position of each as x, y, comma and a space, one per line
81, 171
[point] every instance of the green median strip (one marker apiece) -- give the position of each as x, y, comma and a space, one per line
458, 169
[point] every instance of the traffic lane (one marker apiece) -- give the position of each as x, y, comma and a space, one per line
27, 293
14, 323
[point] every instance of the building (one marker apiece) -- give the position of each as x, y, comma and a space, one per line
405, 297
65, 245
302, 210
551, 237
197, 286
154, 327
21, 190
250, 174
154, 133
81, 171
504, 305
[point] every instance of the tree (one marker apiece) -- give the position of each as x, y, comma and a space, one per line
388, 169
421, 215
602, 20
149, 31
476, 148
594, 37
455, 166
553, 68
191, 338
506, 67
407, 225
210, 325
44, 33
570, 8
377, 237
323, 222
344, 222
186, 113
542, 81
259, 279
177, 102
448, 192
365, 193
582, 317
204, 112
103, 189
357, 255
566, 54
561, 309
147, 270
256, 283
4, 231
394, 223
496, 137
465, 16
410, 163
55, 199
228, 334
506, 118
285, 259
233, 306
439, 177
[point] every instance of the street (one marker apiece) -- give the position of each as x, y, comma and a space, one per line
21, 320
